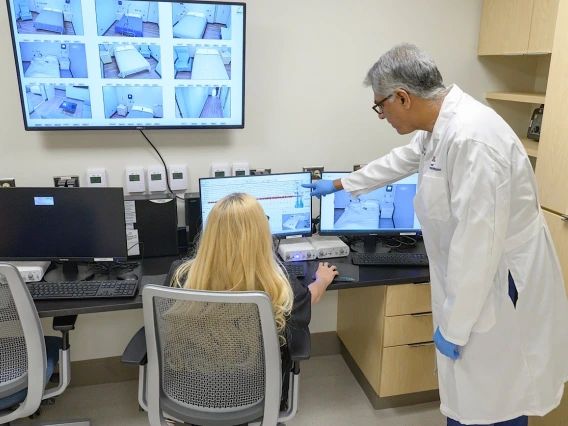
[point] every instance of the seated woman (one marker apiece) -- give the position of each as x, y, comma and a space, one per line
236, 253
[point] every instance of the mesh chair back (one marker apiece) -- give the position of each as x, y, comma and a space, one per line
22, 347
213, 357
212, 353
13, 350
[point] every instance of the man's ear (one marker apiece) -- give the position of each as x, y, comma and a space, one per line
403, 97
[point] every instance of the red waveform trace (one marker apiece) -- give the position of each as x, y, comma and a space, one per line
263, 198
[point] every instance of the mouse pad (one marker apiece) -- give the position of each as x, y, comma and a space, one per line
152, 279
347, 273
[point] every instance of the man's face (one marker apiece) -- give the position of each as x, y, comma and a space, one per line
396, 110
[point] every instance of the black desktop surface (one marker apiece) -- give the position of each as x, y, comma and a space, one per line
369, 276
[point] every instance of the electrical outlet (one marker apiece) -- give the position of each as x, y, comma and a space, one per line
66, 181
258, 172
7, 183
358, 166
315, 171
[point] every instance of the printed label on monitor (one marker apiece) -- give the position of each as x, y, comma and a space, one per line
44, 201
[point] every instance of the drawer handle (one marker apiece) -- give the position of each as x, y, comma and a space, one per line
423, 314
424, 283
420, 345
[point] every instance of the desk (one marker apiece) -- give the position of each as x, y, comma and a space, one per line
368, 277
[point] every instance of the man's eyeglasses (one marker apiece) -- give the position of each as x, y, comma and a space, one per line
379, 107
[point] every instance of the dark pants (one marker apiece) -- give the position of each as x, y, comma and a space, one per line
521, 421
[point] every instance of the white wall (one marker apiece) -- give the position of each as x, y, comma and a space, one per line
304, 100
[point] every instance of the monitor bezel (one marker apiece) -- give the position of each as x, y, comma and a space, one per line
291, 234
414, 233
48, 128
72, 259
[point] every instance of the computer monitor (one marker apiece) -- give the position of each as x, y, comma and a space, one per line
63, 224
122, 64
286, 203
387, 211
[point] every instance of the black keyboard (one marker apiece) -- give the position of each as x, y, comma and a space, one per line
389, 259
294, 269
83, 290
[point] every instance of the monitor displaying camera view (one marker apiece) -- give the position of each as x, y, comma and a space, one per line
117, 64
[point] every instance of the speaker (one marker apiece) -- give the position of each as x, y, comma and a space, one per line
193, 220
152, 221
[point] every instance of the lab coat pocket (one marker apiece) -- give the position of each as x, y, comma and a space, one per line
435, 197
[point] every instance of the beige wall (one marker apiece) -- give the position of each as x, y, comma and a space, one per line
305, 105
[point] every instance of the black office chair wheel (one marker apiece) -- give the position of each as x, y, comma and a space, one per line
48, 401
36, 414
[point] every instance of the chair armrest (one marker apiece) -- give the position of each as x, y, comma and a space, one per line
66, 323
300, 347
135, 352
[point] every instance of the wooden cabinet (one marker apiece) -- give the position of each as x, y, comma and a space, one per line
552, 166
388, 332
517, 27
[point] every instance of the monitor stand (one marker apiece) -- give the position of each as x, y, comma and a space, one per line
370, 244
71, 271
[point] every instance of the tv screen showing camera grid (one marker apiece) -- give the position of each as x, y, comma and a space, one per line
129, 64
286, 203
388, 210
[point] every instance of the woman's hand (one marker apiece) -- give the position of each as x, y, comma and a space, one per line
324, 276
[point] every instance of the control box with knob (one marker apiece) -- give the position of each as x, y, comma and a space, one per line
296, 249
328, 247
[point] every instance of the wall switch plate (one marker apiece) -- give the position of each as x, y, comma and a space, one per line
96, 178
220, 170
241, 169
135, 179
157, 179
258, 172
178, 177
358, 166
315, 171
7, 182
68, 181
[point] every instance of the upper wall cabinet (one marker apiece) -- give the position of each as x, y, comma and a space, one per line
517, 27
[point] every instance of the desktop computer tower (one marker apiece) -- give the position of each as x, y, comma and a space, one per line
152, 221
192, 216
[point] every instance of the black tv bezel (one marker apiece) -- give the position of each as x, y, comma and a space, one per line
281, 235
414, 233
27, 127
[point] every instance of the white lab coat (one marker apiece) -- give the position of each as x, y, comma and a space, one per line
480, 216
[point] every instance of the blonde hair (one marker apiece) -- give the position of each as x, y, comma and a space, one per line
236, 254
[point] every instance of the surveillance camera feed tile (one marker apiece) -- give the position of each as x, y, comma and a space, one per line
129, 64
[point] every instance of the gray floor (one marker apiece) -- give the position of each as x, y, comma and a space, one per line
329, 395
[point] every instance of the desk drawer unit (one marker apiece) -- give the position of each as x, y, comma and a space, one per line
408, 329
408, 369
406, 299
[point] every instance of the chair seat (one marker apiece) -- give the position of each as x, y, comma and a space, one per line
52, 346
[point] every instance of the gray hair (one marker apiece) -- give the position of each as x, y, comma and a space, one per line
406, 67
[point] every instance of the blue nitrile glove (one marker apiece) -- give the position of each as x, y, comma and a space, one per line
321, 187
445, 347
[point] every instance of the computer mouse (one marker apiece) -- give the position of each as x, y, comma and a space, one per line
127, 276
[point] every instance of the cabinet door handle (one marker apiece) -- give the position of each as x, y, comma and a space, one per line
564, 217
423, 314
421, 345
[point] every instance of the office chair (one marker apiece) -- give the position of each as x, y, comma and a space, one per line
25, 14
183, 62
211, 359
27, 358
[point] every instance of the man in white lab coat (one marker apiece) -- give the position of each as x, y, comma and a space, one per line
498, 299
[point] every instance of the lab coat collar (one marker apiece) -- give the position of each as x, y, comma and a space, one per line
451, 101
